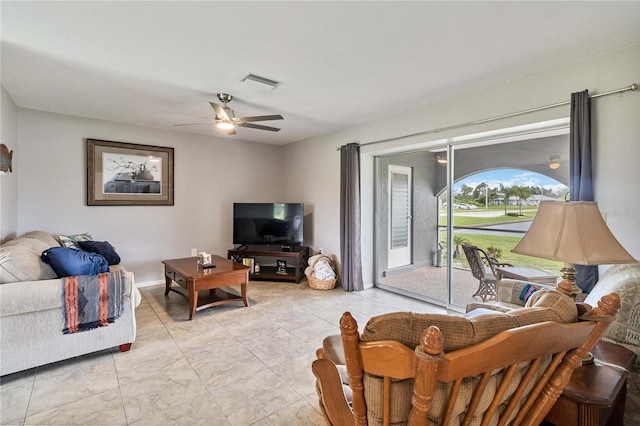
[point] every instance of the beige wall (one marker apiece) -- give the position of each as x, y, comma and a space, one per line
9, 181
210, 174
213, 173
315, 163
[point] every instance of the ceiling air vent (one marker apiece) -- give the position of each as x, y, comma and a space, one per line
260, 81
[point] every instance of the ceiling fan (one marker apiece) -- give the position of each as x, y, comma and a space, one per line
226, 120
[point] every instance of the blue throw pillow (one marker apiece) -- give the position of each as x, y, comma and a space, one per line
103, 248
526, 292
67, 262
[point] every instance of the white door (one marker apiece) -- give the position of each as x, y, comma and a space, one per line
400, 216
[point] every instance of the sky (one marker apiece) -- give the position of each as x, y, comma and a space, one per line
510, 177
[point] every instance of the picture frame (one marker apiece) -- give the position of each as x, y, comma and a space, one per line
250, 262
281, 267
128, 174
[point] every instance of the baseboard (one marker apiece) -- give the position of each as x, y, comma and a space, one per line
149, 283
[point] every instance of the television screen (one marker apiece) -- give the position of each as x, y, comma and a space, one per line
268, 223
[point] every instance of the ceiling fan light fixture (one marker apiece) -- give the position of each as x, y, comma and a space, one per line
225, 125
554, 162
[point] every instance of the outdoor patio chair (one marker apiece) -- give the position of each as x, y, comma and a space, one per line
483, 268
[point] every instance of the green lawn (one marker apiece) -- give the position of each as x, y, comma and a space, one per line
465, 218
505, 244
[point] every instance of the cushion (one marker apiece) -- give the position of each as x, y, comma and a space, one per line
458, 332
29, 243
21, 263
624, 280
479, 311
103, 248
562, 305
45, 237
72, 240
613, 279
67, 262
333, 349
526, 292
509, 290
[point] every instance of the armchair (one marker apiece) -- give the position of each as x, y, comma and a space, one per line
513, 377
624, 280
479, 261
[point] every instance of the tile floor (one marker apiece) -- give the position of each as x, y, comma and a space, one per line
231, 365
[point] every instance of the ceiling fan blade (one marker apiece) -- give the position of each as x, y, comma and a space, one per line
190, 124
260, 118
258, 126
220, 112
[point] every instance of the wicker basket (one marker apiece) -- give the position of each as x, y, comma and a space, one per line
319, 284
316, 283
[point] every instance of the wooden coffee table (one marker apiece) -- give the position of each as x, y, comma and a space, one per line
188, 274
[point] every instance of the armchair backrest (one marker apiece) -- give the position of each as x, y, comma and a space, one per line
513, 377
478, 267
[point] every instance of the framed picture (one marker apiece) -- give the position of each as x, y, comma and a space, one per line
281, 267
127, 174
250, 262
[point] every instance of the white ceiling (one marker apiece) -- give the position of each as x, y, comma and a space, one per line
340, 63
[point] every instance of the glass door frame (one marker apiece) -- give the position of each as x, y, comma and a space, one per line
504, 135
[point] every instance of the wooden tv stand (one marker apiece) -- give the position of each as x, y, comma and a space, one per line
296, 259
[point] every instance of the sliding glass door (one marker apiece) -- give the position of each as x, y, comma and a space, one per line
416, 213
430, 202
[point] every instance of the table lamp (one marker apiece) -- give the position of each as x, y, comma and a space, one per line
575, 233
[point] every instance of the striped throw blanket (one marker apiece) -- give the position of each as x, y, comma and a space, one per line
92, 301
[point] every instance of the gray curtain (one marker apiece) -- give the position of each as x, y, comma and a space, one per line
350, 254
580, 170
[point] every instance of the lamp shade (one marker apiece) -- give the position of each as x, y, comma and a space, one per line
572, 232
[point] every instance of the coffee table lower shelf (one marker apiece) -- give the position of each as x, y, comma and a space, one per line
196, 280
213, 297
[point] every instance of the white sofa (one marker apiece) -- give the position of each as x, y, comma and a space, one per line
31, 310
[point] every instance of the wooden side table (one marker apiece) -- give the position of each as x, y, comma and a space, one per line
597, 392
526, 274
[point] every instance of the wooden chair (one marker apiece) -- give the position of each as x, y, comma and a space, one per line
514, 377
483, 269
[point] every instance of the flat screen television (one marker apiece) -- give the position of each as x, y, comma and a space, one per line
268, 223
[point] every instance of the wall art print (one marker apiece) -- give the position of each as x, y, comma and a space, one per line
127, 174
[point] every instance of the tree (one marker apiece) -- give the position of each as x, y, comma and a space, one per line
522, 192
463, 195
465, 191
457, 242
506, 193
480, 193
493, 194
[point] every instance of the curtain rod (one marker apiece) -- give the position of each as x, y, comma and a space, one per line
631, 87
